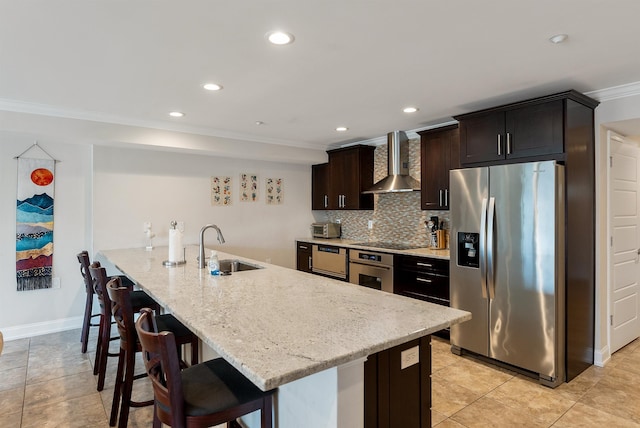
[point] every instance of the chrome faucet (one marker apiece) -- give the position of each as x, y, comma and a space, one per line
201, 263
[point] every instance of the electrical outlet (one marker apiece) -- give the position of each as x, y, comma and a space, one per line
338, 221
370, 224
55, 282
146, 226
268, 260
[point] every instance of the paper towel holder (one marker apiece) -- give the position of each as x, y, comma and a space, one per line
173, 263
176, 263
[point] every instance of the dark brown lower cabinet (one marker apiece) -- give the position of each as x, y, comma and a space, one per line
303, 256
395, 396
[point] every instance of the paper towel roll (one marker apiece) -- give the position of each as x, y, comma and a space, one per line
175, 245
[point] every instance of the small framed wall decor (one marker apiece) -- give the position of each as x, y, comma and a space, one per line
248, 187
275, 191
221, 190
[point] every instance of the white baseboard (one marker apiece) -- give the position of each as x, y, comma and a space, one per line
601, 357
40, 328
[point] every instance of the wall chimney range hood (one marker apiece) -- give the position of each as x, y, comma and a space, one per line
398, 178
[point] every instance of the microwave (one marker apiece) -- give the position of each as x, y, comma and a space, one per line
325, 230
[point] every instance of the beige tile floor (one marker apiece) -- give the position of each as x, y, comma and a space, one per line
46, 382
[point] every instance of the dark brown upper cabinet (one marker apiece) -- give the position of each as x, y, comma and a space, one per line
526, 130
320, 186
338, 185
439, 153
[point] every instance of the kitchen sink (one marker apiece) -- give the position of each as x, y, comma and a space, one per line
234, 265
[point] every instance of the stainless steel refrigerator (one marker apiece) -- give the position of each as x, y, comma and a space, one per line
507, 265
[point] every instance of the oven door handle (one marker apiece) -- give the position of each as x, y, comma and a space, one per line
371, 265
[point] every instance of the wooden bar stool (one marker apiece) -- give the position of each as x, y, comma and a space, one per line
124, 316
83, 258
139, 300
207, 394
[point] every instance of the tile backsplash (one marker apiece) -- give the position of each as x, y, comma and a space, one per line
396, 217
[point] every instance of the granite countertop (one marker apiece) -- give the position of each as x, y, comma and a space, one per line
351, 243
275, 324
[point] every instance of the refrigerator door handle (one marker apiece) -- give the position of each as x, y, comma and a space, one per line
491, 284
482, 247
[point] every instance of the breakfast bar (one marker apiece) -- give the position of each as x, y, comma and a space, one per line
306, 335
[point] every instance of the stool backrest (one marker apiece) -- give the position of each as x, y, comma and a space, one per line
100, 279
160, 356
122, 311
83, 258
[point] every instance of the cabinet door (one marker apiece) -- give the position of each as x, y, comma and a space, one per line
436, 152
482, 138
344, 179
303, 256
535, 130
320, 186
351, 172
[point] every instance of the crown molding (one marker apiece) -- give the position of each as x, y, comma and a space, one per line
615, 92
48, 110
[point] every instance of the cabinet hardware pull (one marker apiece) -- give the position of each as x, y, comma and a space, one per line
424, 280
424, 264
344, 201
303, 247
508, 143
499, 144
446, 197
309, 262
440, 197
326, 201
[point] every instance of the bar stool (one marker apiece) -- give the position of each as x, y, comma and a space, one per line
129, 345
207, 394
139, 299
83, 258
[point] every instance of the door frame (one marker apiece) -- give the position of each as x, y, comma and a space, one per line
611, 135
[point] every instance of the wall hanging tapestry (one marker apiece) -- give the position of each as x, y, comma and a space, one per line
34, 222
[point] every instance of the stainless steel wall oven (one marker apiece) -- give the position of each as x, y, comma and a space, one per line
371, 269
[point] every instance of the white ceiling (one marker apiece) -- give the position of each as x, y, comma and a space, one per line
353, 63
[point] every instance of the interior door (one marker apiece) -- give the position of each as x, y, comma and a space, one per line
625, 234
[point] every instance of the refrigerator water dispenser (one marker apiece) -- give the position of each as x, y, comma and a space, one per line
468, 251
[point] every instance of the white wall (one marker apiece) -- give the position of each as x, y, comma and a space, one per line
103, 195
133, 186
21, 313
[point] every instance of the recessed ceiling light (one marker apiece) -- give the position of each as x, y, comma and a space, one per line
259, 122
280, 37
212, 86
558, 38
341, 128
176, 114
410, 109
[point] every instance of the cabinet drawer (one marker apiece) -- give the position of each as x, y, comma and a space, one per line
430, 287
422, 278
423, 264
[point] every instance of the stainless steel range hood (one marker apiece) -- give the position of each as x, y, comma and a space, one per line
398, 178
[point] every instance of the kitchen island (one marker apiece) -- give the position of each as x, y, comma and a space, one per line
306, 335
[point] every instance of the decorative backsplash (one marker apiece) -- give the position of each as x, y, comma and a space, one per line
396, 217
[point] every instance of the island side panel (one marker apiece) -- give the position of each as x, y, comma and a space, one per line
398, 386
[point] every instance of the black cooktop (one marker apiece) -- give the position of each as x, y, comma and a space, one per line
389, 245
